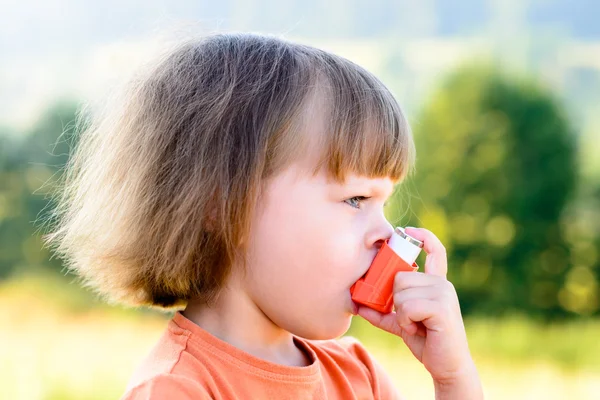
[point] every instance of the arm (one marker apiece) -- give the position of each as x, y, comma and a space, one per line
466, 385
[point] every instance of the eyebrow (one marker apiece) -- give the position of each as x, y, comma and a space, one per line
373, 188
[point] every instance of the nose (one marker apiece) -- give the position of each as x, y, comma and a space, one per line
381, 231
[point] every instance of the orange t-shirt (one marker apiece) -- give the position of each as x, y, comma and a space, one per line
190, 363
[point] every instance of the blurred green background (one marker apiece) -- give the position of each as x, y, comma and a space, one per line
503, 98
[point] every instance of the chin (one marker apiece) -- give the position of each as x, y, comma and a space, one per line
329, 330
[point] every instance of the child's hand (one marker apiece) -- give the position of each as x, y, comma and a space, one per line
427, 315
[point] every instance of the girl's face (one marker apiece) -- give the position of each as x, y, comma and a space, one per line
311, 239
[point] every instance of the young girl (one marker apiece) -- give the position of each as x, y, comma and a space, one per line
241, 181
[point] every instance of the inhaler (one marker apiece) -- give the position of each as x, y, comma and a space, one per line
375, 288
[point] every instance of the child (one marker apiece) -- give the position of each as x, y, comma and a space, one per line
241, 181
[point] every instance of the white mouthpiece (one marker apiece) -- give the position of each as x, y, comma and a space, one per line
404, 247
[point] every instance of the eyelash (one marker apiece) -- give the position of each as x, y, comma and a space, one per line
362, 198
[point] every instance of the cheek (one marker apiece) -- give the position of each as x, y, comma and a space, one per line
304, 247
312, 260
301, 270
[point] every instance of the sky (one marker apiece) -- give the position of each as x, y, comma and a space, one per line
57, 49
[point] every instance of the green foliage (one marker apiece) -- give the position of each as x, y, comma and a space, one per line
496, 167
29, 167
496, 181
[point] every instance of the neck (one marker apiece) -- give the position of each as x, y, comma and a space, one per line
237, 320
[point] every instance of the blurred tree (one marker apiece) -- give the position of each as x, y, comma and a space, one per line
580, 292
29, 166
496, 166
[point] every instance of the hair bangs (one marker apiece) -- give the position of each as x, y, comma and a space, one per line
368, 134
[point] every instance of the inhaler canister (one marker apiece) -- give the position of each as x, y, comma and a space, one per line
375, 288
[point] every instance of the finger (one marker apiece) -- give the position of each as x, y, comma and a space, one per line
436, 262
419, 310
410, 294
423, 292
404, 280
389, 323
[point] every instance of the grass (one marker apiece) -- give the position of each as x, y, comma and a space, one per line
61, 344
569, 346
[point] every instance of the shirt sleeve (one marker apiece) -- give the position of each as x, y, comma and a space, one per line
167, 387
382, 384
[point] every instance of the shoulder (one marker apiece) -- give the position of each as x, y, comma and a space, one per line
168, 368
167, 386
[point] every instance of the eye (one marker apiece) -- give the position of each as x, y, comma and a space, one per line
356, 200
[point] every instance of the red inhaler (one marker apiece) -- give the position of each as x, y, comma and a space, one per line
375, 288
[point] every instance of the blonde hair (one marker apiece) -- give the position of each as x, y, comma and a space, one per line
156, 199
